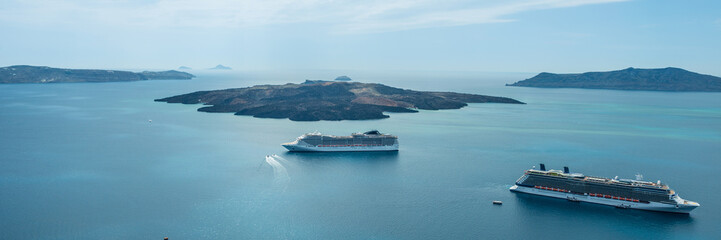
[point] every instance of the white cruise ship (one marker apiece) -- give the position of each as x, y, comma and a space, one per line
621, 193
357, 142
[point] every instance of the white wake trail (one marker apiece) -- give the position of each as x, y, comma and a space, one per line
280, 173
280, 159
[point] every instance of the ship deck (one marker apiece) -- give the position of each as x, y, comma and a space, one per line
576, 176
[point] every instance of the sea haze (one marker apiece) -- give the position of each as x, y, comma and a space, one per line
83, 160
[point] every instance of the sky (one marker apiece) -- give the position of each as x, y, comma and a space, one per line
562, 36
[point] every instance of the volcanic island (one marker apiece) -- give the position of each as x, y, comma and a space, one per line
327, 100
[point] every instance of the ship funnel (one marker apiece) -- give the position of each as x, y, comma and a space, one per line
543, 167
565, 170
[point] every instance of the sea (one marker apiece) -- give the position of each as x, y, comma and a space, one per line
104, 161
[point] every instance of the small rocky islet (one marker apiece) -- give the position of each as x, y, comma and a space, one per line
220, 67
327, 100
343, 78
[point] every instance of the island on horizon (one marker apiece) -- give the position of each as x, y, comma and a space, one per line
327, 100
41, 74
220, 67
343, 78
660, 79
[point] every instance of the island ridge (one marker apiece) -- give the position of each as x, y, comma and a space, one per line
661, 79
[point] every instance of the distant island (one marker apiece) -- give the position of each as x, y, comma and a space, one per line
184, 68
661, 79
37, 74
220, 67
327, 100
343, 78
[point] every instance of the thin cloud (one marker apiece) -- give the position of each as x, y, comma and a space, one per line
457, 17
341, 16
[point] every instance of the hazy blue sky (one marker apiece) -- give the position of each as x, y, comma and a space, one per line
496, 35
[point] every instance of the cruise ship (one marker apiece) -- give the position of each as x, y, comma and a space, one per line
621, 193
356, 142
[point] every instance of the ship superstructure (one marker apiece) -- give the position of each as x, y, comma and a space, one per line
360, 142
622, 193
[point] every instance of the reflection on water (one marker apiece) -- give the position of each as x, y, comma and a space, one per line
547, 208
340, 165
365, 157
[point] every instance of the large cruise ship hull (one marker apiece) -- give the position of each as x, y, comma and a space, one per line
651, 206
300, 148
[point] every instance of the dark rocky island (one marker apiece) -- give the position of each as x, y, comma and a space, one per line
327, 100
343, 78
35, 74
662, 79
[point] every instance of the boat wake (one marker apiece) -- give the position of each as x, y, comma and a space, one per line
280, 159
280, 172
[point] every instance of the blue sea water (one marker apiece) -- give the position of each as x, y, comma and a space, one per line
83, 161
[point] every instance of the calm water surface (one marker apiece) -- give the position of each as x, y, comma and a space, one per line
82, 161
